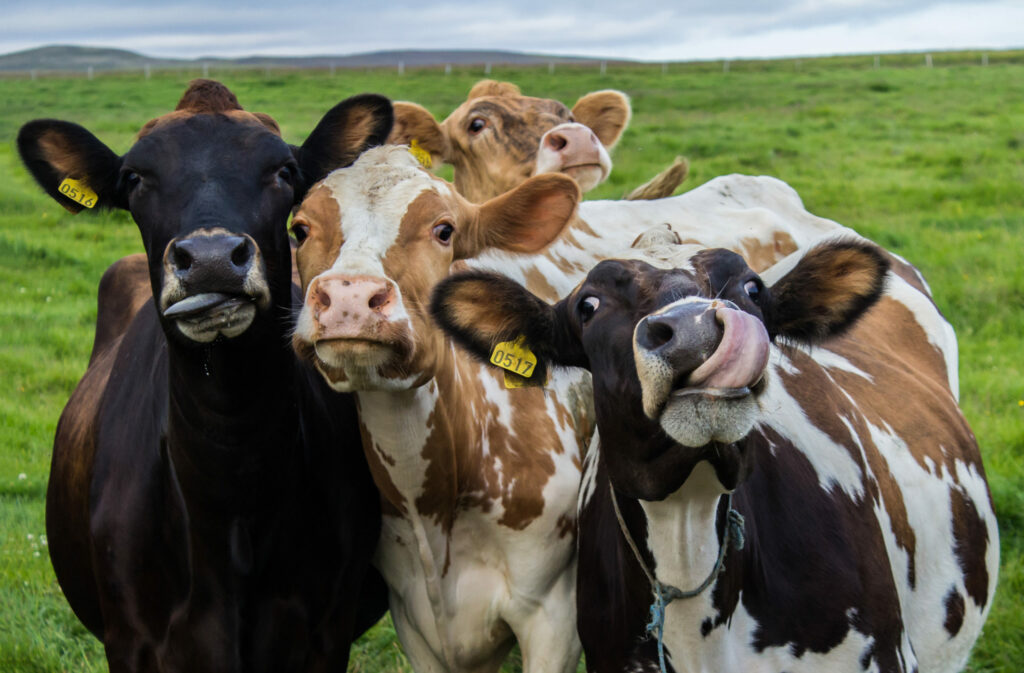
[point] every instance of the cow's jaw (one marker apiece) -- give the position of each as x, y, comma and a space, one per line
710, 392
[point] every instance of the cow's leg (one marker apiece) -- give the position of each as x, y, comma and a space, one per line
547, 637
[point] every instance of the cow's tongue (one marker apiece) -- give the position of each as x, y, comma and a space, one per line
740, 358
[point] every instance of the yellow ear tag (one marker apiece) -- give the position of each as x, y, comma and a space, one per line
78, 191
514, 356
421, 154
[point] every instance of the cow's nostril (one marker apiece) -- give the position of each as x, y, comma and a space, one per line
654, 332
379, 300
658, 334
323, 299
557, 142
242, 253
180, 258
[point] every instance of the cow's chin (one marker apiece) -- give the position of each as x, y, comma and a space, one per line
587, 176
696, 419
350, 365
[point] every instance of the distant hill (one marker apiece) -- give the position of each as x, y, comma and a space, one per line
72, 58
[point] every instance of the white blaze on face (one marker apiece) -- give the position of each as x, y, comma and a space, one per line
373, 196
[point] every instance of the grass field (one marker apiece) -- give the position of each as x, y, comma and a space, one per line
929, 162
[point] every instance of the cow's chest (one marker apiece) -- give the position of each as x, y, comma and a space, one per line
457, 591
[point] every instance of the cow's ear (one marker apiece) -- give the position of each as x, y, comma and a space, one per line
481, 311
417, 128
71, 164
525, 219
347, 130
830, 287
607, 114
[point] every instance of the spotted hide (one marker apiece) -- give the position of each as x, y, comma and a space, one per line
479, 481
818, 408
208, 508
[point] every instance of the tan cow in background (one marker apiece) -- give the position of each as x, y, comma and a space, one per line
499, 137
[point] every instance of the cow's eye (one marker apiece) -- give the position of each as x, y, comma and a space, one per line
286, 174
443, 232
132, 180
300, 230
752, 288
476, 125
588, 307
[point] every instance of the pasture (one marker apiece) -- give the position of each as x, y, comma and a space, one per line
928, 162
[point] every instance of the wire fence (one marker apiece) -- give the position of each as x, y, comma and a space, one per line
945, 59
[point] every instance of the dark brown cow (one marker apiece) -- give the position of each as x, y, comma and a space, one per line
869, 541
209, 508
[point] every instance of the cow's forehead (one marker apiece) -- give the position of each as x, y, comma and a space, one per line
374, 194
637, 277
515, 106
218, 137
238, 116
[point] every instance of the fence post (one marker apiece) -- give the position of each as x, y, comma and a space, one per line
604, 68
664, 68
332, 68
146, 71
90, 72
32, 74
447, 69
878, 62
984, 59
928, 60
725, 66
401, 67
487, 68
206, 70
551, 67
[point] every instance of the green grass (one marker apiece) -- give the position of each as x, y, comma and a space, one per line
929, 162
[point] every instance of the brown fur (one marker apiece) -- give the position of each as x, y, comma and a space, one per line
64, 158
206, 95
607, 113
491, 87
760, 255
493, 162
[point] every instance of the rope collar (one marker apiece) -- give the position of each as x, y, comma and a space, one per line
666, 593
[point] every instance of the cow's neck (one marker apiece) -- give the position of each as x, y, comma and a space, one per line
230, 422
682, 530
425, 438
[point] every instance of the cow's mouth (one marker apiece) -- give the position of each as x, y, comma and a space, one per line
352, 364
341, 352
205, 316
590, 172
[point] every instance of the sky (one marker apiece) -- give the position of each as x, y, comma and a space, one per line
649, 30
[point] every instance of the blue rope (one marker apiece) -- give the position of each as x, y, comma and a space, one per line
666, 593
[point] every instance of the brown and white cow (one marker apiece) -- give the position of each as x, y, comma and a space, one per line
479, 481
870, 543
201, 516
498, 137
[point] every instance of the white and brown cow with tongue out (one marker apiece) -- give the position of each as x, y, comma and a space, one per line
479, 481
869, 541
